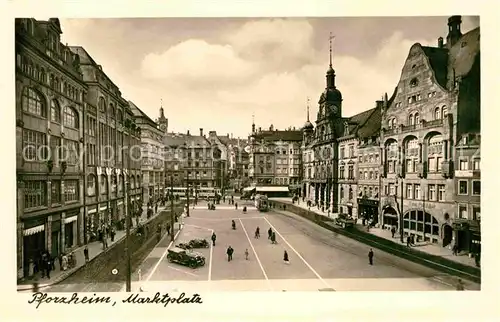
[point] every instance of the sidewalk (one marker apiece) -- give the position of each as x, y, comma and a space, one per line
425, 247
95, 249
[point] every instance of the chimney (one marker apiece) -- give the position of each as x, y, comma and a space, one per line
260, 129
440, 42
201, 131
379, 104
188, 133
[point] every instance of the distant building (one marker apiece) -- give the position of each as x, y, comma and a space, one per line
275, 157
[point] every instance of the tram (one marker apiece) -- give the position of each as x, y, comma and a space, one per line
262, 203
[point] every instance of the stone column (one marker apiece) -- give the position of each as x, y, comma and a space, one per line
63, 234
48, 234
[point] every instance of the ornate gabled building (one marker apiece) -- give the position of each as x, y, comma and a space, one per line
437, 99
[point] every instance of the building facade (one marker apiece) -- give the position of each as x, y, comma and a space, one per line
467, 222
152, 161
369, 180
436, 100
112, 157
50, 101
275, 157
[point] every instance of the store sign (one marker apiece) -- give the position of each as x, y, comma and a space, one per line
463, 173
367, 202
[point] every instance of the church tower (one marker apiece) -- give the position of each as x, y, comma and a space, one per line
163, 121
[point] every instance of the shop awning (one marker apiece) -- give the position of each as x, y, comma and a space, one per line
92, 211
103, 208
272, 189
248, 188
33, 230
70, 219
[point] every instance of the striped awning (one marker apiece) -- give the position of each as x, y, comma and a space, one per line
33, 230
70, 219
248, 188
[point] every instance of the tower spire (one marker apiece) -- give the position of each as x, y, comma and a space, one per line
162, 115
330, 39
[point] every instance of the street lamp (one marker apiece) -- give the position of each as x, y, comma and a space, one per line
172, 215
187, 180
399, 180
127, 237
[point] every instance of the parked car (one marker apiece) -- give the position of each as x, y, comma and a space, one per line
344, 220
185, 257
183, 245
198, 243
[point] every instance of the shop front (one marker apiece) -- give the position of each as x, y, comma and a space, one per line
368, 209
467, 235
34, 242
92, 223
55, 239
71, 229
389, 217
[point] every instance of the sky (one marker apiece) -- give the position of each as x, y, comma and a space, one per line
216, 73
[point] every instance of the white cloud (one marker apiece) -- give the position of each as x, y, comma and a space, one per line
267, 67
196, 61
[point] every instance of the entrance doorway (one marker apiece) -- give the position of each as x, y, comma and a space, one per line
448, 235
349, 211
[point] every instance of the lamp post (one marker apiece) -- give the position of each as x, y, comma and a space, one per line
187, 181
127, 238
172, 215
401, 229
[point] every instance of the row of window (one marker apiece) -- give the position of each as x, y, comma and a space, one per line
368, 175
36, 194
35, 148
350, 151
368, 191
463, 187
111, 111
292, 151
34, 103
103, 188
38, 73
414, 118
369, 158
350, 172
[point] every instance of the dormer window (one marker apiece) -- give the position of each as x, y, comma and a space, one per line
413, 82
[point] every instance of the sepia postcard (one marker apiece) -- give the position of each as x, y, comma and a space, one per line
168, 161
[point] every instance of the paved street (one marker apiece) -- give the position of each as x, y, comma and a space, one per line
319, 260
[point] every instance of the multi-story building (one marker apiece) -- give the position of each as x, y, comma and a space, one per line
112, 155
275, 156
323, 187
152, 162
435, 102
358, 129
192, 160
50, 102
467, 222
220, 165
308, 190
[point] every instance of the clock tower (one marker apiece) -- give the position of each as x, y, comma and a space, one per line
163, 121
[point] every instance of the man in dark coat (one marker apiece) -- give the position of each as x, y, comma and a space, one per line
393, 231
229, 253
214, 237
269, 233
273, 238
370, 256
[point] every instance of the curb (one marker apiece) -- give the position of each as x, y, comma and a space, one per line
62, 277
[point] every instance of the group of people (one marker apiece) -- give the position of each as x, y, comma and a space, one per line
271, 236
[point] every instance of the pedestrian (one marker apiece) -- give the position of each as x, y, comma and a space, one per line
112, 233
229, 253
269, 233
86, 254
158, 233
246, 254
477, 259
236, 206
285, 258
273, 238
455, 249
48, 268
460, 285
257, 233
408, 241
370, 256
64, 262
156, 208
214, 237
393, 231
168, 229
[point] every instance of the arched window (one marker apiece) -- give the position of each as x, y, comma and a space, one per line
434, 153
365, 191
111, 111
411, 155
55, 112
91, 185
416, 118
410, 119
71, 117
437, 113
370, 192
43, 77
350, 193
33, 102
444, 111
392, 156
120, 116
421, 224
104, 184
392, 123
102, 104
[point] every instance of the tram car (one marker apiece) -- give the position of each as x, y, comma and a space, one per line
261, 203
